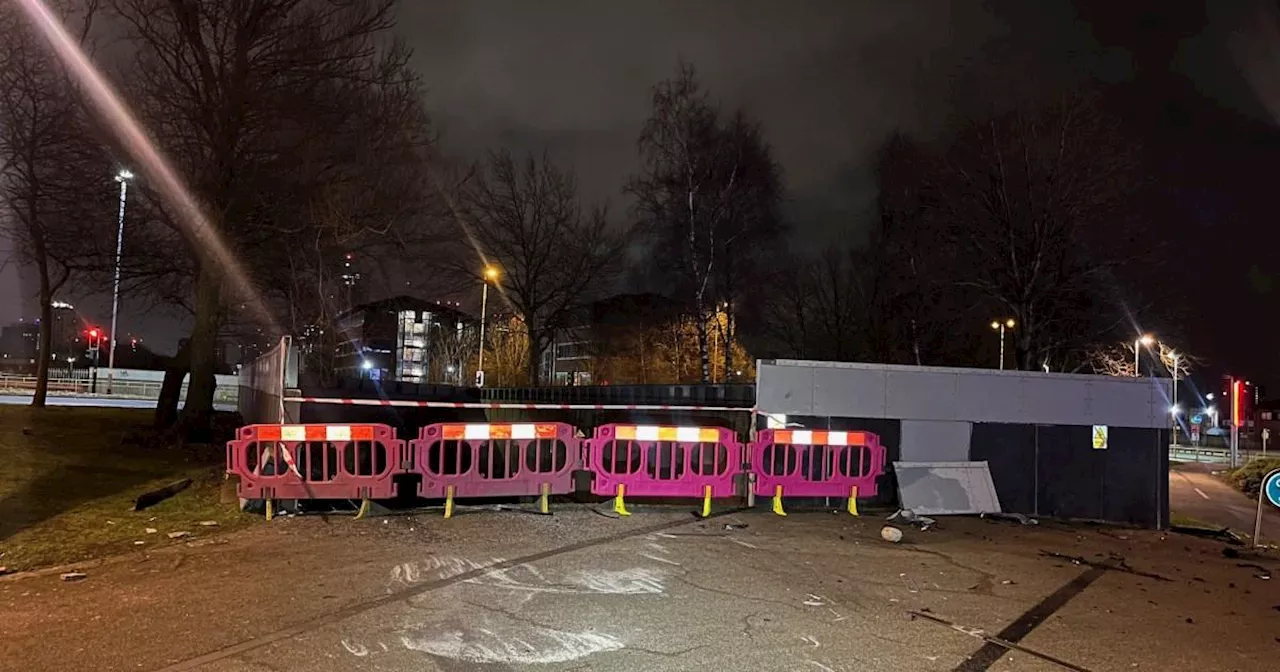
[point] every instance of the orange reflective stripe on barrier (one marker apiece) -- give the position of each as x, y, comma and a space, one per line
480, 431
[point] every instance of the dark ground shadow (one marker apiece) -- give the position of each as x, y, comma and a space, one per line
62, 489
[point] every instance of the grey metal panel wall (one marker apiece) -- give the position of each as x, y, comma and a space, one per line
834, 389
935, 441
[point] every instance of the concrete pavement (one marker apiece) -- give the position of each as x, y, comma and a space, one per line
656, 591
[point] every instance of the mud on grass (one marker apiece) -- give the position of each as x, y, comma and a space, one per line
69, 476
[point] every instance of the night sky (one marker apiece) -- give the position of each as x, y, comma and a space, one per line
1198, 88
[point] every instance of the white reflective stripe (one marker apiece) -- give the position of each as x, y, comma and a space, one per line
802, 437
293, 433
837, 438
646, 433
524, 431
338, 432
688, 434
475, 432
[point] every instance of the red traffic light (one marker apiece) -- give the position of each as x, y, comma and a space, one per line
93, 333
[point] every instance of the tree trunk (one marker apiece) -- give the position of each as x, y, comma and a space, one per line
536, 346
198, 408
171, 389
44, 349
704, 351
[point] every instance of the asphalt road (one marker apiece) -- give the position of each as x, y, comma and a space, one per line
498, 592
96, 402
1196, 493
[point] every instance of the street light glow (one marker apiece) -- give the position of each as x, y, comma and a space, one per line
366, 365
1147, 339
124, 175
490, 273
1174, 410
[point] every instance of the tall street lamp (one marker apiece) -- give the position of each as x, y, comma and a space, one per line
1001, 326
1145, 339
490, 275
123, 178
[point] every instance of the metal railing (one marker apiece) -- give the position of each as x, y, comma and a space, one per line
132, 389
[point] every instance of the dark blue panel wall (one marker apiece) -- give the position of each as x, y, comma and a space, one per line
1010, 453
1053, 470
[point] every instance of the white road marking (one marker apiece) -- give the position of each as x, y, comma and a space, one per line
1200, 492
743, 543
658, 559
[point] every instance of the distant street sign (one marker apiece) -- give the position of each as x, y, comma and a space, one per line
1272, 488
1197, 419
1099, 437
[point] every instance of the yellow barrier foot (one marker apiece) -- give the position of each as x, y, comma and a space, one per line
706, 501
853, 501
619, 504
448, 502
364, 508
777, 501
269, 511
544, 504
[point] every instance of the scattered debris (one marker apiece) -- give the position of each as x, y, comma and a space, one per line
154, 497
1263, 572
1224, 534
5, 570
111, 522
74, 576
179, 534
1120, 566
735, 526
911, 585
152, 530
815, 601
208, 523
1191, 621
1008, 582
1017, 517
139, 543
908, 516
891, 534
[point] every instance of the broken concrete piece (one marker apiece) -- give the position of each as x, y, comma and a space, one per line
179, 534
74, 576
152, 530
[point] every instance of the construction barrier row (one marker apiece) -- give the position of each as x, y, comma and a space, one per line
477, 460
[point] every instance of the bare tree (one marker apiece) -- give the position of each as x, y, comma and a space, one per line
1029, 215
267, 107
707, 201
48, 158
524, 218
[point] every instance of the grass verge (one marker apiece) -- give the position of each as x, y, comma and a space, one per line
1248, 478
69, 476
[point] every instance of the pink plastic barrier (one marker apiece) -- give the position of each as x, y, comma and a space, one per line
816, 463
664, 461
495, 460
316, 461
